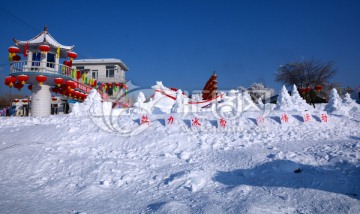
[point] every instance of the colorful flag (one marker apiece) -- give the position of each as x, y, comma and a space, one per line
25, 49
58, 52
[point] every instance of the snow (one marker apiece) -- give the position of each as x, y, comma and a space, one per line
284, 101
100, 160
298, 101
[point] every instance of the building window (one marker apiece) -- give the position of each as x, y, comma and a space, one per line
80, 68
110, 71
50, 60
110, 91
94, 74
36, 59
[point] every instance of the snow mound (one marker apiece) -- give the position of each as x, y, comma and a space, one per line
284, 101
335, 104
350, 104
298, 101
91, 106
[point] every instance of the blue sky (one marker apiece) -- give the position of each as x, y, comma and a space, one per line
181, 42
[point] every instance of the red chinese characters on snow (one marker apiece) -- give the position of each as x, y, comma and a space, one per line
222, 123
195, 122
324, 117
170, 120
307, 117
284, 118
144, 120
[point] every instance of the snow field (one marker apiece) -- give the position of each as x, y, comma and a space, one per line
99, 160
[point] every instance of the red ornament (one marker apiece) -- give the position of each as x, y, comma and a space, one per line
54, 98
55, 90
18, 85
16, 58
41, 79
58, 81
70, 84
109, 85
24, 100
308, 89
13, 49
16, 100
12, 52
44, 48
10, 80
23, 78
318, 87
72, 55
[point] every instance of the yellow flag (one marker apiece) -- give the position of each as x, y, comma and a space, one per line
58, 52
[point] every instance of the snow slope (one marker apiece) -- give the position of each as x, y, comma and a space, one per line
88, 163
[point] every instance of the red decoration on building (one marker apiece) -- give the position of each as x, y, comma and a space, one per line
13, 50
70, 84
16, 58
10, 80
24, 100
18, 86
44, 48
23, 78
53, 98
41, 79
72, 55
58, 81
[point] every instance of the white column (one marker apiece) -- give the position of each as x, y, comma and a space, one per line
57, 65
43, 62
29, 61
41, 100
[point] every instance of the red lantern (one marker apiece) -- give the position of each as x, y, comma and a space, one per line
55, 90
13, 51
318, 88
308, 89
24, 100
30, 87
70, 84
16, 58
10, 80
44, 48
18, 85
58, 81
23, 78
72, 55
16, 100
54, 98
41, 79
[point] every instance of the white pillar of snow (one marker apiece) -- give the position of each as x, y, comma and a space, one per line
41, 100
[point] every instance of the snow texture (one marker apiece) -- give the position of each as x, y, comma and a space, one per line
284, 101
101, 160
298, 102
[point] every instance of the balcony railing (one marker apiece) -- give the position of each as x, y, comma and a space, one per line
42, 67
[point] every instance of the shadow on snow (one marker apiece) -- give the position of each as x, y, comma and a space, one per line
342, 178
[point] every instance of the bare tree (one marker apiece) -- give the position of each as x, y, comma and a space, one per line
308, 73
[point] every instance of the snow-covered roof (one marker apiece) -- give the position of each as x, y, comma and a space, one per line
101, 61
44, 38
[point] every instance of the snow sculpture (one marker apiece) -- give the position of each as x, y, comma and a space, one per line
298, 102
284, 101
335, 102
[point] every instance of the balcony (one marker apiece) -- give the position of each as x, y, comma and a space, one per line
40, 67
